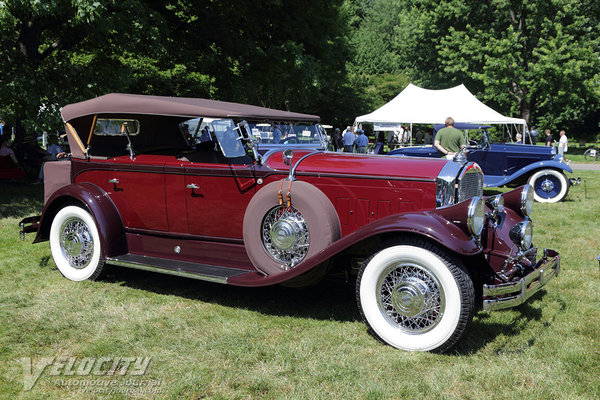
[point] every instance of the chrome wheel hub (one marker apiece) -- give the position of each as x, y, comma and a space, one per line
411, 298
76, 243
547, 185
285, 236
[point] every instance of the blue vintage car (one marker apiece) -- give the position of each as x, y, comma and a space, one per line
509, 164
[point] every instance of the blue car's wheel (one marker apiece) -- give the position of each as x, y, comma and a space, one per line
549, 185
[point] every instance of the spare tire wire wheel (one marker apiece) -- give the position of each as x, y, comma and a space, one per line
285, 236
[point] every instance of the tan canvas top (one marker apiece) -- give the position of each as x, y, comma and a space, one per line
118, 103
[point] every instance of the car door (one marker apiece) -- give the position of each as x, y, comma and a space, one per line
491, 159
137, 187
216, 198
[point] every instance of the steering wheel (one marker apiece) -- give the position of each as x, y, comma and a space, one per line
485, 140
291, 140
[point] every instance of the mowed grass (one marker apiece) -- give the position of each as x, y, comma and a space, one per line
212, 341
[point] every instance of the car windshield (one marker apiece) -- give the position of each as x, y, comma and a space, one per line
222, 131
286, 133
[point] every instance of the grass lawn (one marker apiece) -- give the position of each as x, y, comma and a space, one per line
211, 341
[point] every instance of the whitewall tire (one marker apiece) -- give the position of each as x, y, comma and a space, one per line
414, 296
549, 186
75, 244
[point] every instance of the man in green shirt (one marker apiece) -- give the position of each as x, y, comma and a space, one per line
449, 140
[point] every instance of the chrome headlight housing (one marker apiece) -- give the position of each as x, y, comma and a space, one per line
476, 216
522, 234
496, 203
527, 200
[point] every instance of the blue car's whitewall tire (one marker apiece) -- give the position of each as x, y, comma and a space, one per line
75, 244
549, 185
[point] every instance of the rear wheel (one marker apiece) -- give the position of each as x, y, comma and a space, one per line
549, 185
591, 155
414, 296
75, 244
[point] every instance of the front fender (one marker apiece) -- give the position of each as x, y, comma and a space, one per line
436, 225
99, 204
492, 181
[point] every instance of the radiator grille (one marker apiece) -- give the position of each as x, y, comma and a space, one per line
470, 184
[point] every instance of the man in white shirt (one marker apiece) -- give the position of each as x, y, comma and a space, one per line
563, 143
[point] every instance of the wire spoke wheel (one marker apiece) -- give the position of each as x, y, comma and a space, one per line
411, 297
285, 236
75, 244
415, 296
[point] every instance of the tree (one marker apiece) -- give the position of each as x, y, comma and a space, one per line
535, 58
60, 51
376, 69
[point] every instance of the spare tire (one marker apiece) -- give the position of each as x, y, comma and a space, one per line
278, 237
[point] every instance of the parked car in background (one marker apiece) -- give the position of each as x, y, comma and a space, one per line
181, 186
509, 164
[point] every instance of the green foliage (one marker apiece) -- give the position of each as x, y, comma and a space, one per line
531, 58
288, 56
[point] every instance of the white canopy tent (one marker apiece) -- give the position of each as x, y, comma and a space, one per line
415, 105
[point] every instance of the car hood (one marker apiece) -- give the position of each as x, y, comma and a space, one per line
359, 165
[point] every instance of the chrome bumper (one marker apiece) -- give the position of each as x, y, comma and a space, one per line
506, 295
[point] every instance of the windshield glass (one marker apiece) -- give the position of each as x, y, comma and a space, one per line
286, 133
221, 131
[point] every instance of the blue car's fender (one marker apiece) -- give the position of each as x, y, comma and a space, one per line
494, 180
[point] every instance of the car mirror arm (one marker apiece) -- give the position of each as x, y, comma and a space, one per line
129, 147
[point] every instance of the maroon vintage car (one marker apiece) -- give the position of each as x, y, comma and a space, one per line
182, 186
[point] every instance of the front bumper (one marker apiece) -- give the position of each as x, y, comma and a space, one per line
511, 294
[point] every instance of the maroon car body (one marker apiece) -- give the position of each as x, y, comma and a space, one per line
179, 186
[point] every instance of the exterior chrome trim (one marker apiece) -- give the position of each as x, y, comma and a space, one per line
469, 168
527, 199
144, 267
476, 203
445, 184
524, 288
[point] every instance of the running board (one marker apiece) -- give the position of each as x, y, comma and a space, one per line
185, 269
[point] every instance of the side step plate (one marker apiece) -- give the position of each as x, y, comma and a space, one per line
186, 269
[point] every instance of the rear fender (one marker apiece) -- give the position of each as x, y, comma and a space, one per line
526, 171
99, 204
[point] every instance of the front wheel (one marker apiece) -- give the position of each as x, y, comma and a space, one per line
549, 186
414, 296
75, 244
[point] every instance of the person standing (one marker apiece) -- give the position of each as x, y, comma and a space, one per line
548, 141
563, 143
349, 139
534, 134
337, 140
449, 140
276, 134
2, 127
361, 142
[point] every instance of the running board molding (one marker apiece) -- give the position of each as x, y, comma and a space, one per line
203, 272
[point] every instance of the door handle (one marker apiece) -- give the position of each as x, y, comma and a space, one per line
192, 186
115, 181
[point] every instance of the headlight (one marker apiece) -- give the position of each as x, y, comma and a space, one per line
476, 216
522, 234
527, 200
